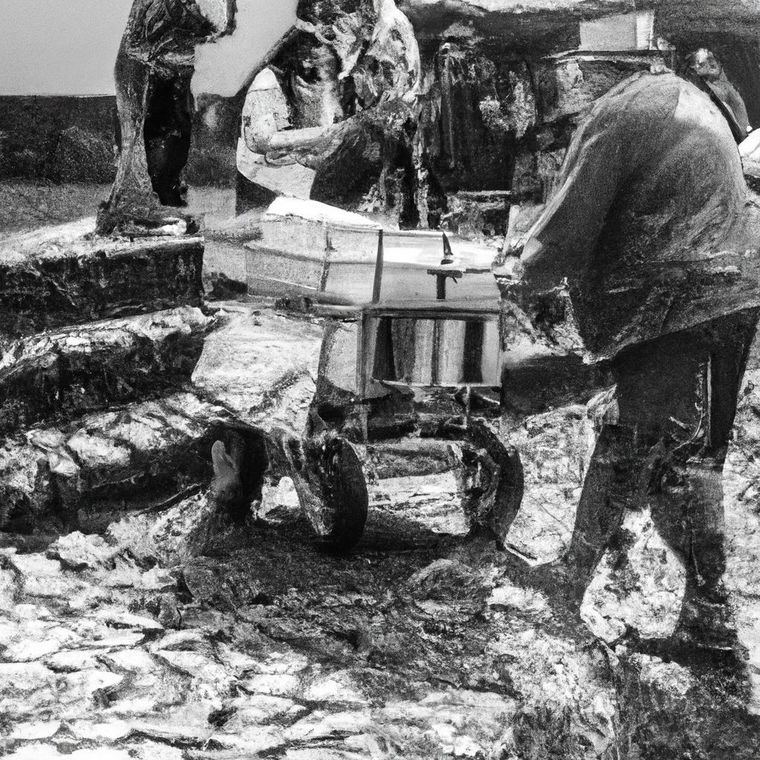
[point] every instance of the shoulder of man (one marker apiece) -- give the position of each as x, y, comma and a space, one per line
640, 102
645, 91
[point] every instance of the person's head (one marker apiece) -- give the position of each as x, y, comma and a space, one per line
704, 64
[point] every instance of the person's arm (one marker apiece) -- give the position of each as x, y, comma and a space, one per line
564, 236
736, 104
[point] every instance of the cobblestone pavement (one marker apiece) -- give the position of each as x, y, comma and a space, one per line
265, 652
414, 646
417, 645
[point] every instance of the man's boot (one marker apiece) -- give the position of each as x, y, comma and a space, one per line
706, 626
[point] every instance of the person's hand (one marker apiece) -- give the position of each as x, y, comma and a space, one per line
509, 267
508, 271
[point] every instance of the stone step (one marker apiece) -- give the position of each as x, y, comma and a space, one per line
64, 275
84, 368
110, 460
257, 369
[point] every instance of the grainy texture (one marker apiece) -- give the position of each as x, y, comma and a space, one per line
79, 369
110, 460
181, 633
210, 640
58, 276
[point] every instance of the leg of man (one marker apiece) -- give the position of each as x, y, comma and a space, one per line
692, 484
609, 487
677, 400
659, 395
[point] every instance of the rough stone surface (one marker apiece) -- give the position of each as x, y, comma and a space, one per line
175, 535
642, 591
76, 551
88, 367
167, 438
25, 481
339, 661
179, 635
178, 632
57, 276
102, 459
262, 366
554, 448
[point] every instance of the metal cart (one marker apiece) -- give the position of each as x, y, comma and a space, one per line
447, 352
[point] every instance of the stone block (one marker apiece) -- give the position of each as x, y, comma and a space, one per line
163, 443
110, 460
25, 482
81, 369
261, 366
64, 275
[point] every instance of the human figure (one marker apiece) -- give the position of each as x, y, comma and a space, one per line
305, 130
655, 234
706, 71
263, 173
153, 69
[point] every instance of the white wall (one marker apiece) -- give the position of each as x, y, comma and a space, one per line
223, 67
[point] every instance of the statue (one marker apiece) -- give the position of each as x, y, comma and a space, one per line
153, 71
321, 121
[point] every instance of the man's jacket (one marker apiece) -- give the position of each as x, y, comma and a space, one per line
651, 223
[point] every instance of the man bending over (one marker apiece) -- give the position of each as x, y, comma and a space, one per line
655, 234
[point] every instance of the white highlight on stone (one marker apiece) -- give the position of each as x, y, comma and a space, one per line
645, 592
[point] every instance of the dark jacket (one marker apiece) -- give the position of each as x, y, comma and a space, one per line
731, 97
651, 223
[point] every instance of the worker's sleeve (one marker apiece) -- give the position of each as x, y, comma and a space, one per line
736, 104
564, 236
258, 122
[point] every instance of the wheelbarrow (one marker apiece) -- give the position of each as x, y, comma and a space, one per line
444, 353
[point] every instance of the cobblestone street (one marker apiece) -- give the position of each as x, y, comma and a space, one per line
274, 651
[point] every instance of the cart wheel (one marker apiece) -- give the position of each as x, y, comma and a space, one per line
330, 484
493, 482
344, 492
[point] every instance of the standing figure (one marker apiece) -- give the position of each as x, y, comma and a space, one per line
706, 72
153, 70
331, 112
655, 237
